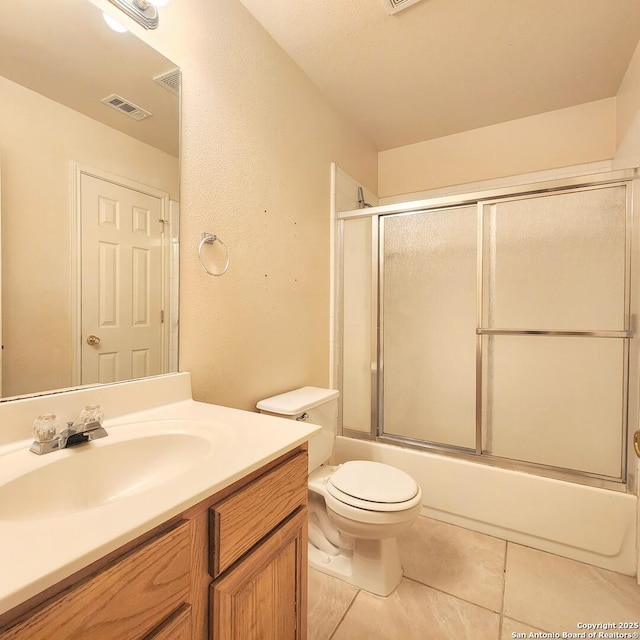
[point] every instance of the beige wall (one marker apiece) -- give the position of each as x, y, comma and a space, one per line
257, 141
628, 98
39, 139
581, 134
628, 115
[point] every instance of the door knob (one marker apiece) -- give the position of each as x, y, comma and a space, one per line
93, 340
636, 442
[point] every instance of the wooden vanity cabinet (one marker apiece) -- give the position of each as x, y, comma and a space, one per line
264, 596
176, 627
127, 599
233, 566
259, 558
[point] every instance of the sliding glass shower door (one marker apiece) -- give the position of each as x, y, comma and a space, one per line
504, 327
554, 327
428, 323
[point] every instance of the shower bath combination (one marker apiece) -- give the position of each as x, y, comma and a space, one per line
495, 328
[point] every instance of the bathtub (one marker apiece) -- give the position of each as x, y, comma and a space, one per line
591, 525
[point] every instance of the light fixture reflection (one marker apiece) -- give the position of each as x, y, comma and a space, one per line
144, 12
114, 24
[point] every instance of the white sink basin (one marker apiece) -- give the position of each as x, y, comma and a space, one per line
95, 474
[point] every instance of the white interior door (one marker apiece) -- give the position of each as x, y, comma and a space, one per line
121, 282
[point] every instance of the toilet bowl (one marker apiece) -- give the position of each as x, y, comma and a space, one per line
356, 509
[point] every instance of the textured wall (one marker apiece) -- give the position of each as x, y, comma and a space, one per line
628, 115
257, 141
576, 135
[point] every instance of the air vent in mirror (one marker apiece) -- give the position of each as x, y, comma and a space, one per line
170, 81
126, 107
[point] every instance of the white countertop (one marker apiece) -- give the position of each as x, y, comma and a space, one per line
37, 552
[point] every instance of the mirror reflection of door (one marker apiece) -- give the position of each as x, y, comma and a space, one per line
57, 63
121, 280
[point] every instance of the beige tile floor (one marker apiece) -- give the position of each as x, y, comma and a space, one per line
463, 585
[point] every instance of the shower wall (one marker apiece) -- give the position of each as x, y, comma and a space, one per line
357, 328
344, 197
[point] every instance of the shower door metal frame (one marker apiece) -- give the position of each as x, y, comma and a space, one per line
481, 199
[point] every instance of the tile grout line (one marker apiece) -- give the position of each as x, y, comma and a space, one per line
504, 593
530, 625
504, 587
343, 616
451, 595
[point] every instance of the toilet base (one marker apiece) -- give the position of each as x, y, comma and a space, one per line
372, 565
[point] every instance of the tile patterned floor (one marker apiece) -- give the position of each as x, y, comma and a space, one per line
464, 585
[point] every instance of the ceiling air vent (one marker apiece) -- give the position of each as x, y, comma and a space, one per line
126, 107
393, 6
170, 81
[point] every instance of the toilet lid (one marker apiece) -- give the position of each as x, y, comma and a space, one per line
373, 482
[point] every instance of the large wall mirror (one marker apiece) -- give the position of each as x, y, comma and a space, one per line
89, 177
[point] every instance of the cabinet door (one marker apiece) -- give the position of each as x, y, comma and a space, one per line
177, 627
264, 597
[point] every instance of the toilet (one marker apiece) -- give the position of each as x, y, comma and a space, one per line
356, 509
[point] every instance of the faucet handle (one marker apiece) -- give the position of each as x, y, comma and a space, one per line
91, 413
45, 428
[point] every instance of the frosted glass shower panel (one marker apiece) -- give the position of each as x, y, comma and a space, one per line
556, 262
357, 321
428, 310
555, 401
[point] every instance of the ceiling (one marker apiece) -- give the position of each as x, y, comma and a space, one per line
65, 51
440, 67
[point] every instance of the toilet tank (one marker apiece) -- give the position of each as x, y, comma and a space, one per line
311, 404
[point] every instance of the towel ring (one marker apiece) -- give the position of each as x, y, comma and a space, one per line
210, 238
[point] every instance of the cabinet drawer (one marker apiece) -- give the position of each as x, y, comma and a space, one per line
245, 517
177, 627
126, 600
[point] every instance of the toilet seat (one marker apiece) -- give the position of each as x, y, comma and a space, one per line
373, 486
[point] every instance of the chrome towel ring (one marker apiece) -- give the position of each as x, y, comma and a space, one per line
210, 238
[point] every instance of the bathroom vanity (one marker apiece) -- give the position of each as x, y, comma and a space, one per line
226, 562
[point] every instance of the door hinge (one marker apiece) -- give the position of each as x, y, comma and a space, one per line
162, 316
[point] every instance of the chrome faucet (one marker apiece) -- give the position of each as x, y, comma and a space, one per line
79, 433
47, 439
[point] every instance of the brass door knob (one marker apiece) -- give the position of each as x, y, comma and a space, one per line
636, 442
93, 340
